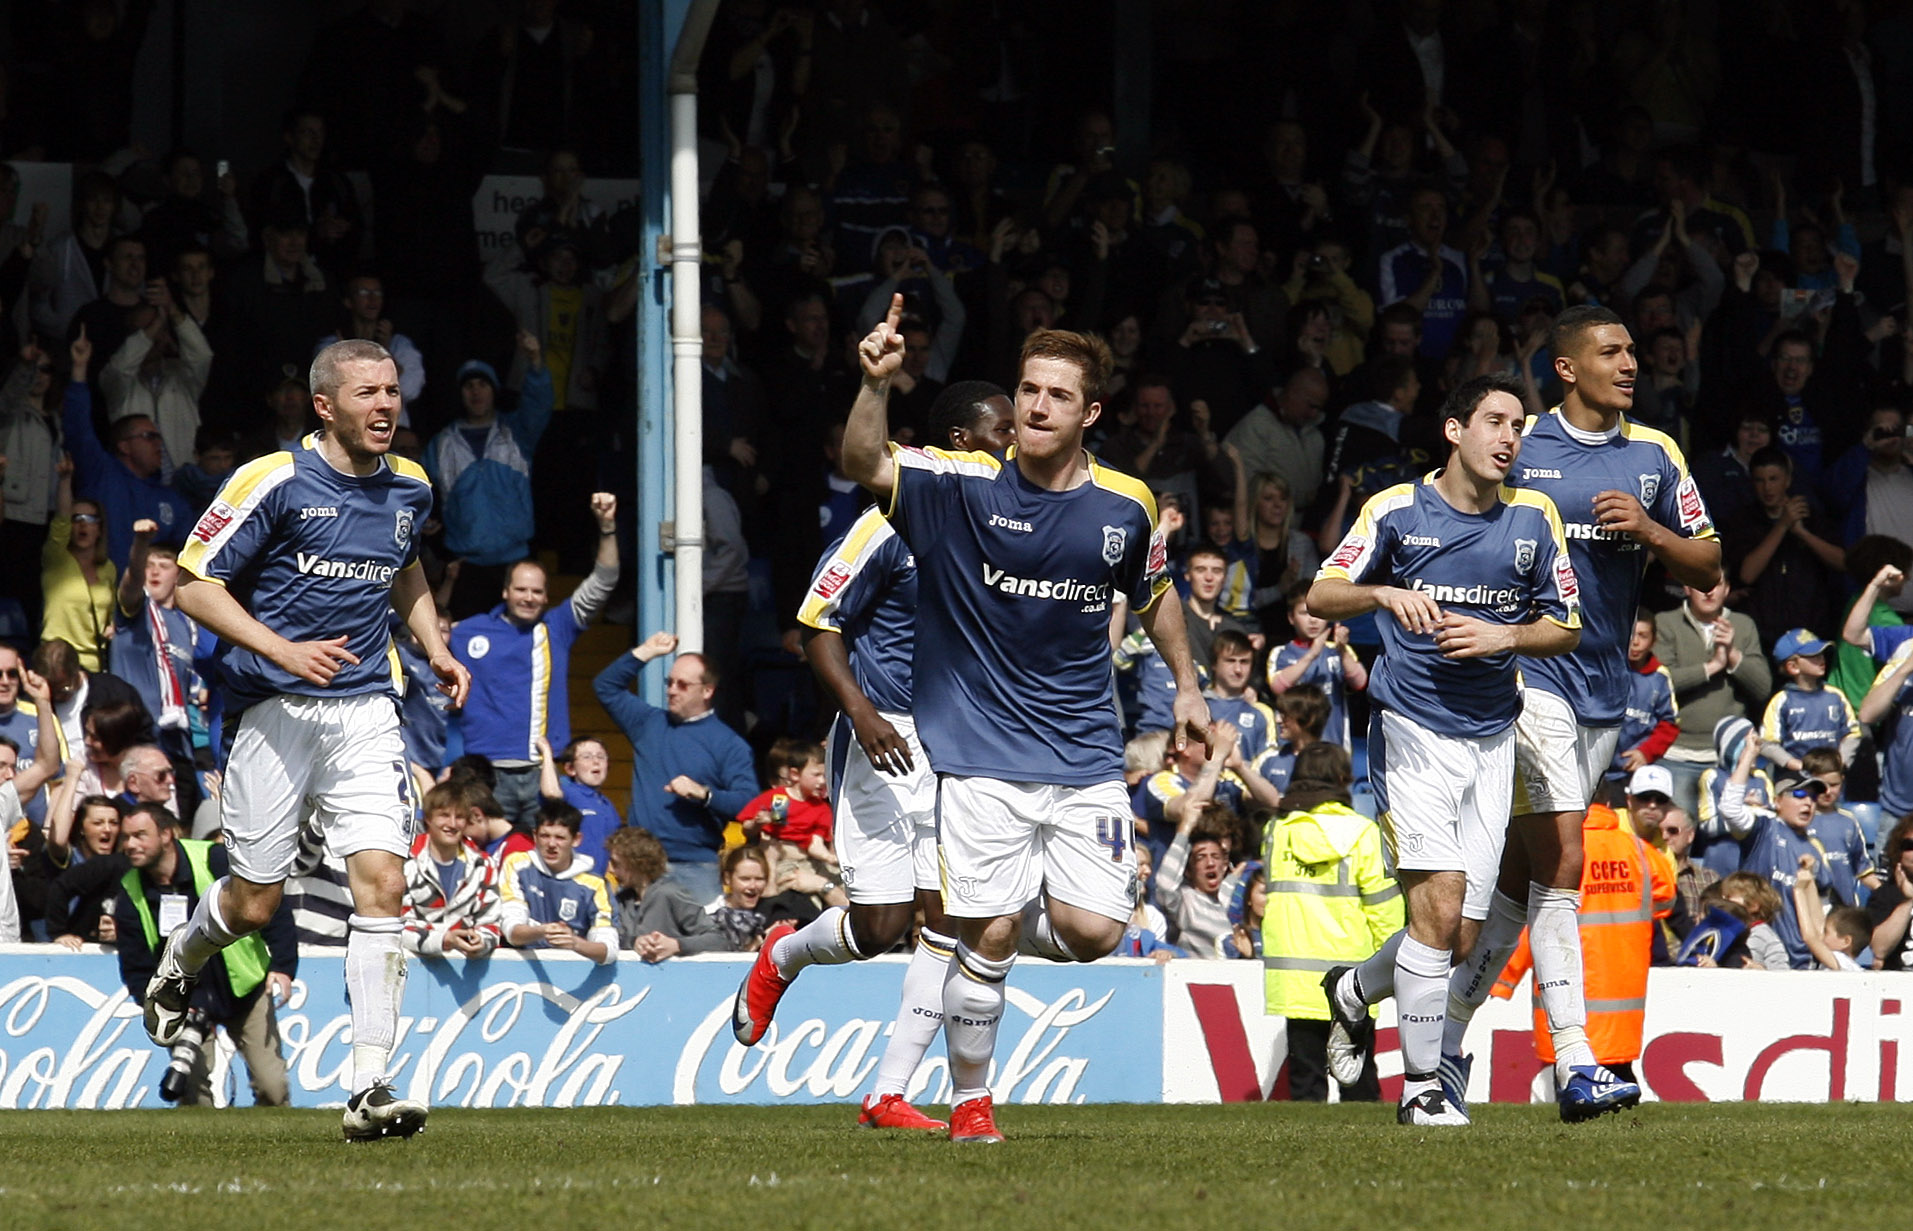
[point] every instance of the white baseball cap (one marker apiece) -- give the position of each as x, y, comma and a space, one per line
1651, 780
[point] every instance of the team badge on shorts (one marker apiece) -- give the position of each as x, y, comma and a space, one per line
1524, 554
1115, 538
1650, 488
402, 531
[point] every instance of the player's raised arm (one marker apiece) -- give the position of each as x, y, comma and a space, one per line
866, 455
316, 662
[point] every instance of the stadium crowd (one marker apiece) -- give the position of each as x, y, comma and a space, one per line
1339, 213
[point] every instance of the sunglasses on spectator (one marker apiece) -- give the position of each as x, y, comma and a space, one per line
1803, 792
11, 673
86, 519
142, 435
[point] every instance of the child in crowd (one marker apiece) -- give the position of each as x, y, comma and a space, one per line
1319, 655
1836, 938
1247, 907
1849, 866
1761, 903
551, 898
1143, 937
1806, 713
1648, 728
1772, 841
1714, 847
792, 819
451, 885
215, 453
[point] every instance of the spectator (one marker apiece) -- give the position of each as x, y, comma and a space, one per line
77, 873
242, 984
1871, 487
364, 318
1838, 832
425, 241
289, 407
73, 690
657, 917
1877, 566
1725, 481
451, 885
1318, 654
215, 454
1890, 909
1206, 568
1649, 726
1427, 274
1762, 904
1285, 557
550, 899
1890, 696
519, 654
69, 271
1215, 360
125, 482
184, 219
1650, 807
155, 645
1248, 907
279, 303
159, 373
1835, 938
1713, 656
1370, 431
76, 576
1301, 719
20, 721
19, 784
1282, 434
556, 304
305, 191
1323, 277
1805, 713
692, 773
30, 441
537, 63
1156, 449
481, 466
872, 194
741, 915
1772, 842
1234, 257
109, 319
586, 762
792, 820
1783, 551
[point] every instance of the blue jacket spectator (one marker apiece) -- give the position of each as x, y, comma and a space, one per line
481, 464
692, 774
126, 481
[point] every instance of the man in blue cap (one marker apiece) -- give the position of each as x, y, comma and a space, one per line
481, 467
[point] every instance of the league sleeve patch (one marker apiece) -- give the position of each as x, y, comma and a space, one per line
215, 519
1566, 582
1693, 510
831, 580
1158, 555
1353, 548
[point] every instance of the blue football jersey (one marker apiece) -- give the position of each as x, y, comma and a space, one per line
1799, 719
1506, 566
1256, 721
1012, 675
865, 588
1328, 673
311, 553
1650, 702
1896, 758
1571, 467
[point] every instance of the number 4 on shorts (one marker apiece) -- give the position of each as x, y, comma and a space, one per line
1113, 832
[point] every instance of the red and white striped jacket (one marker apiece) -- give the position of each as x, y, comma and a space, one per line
474, 904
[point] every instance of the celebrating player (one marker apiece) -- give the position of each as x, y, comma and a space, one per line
861, 611
1017, 564
1468, 575
1620, 488
297, 566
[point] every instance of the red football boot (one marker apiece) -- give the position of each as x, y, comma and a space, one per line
890, 1111
762, 988
974, 1120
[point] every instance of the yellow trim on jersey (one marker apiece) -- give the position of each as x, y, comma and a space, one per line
866, 534
1376, 507
239, 495
1770, 721
395, 666
1673, 698
540, 684
937, 461
407, 468
1124, 485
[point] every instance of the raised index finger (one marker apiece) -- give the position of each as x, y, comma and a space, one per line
895, 316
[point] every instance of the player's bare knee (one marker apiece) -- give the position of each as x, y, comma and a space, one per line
878, 927
1090, 937
993, 938
248, 906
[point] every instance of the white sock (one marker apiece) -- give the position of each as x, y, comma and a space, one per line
1555, 935
1039, 937
824, 941
1421, 993
1474, 979
919, 1013
1371, 982
374, 986
206, 932
972, 1008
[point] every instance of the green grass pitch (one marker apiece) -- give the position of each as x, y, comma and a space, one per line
1277, 1166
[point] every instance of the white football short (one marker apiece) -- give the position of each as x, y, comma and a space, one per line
886, 824
1442, 800
1002, 843
335, 762
1558, 762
